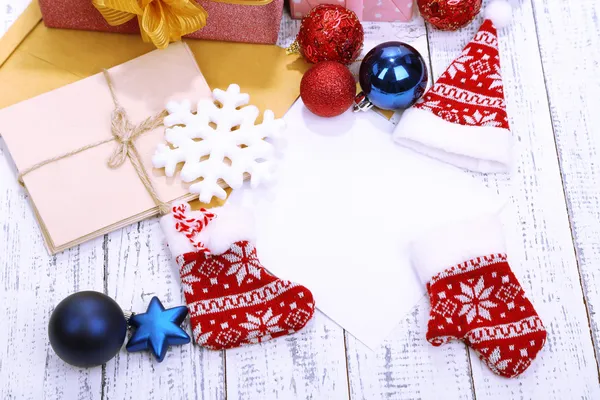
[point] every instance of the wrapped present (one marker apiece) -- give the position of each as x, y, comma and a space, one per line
366, 10
249, 21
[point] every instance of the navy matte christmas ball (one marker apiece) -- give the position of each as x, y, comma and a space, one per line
393, 75
87, 329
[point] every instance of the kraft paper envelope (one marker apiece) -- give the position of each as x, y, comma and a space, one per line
35, 59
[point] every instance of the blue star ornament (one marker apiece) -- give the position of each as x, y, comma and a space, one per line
157, 329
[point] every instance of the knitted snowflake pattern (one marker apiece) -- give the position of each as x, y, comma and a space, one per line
220, 142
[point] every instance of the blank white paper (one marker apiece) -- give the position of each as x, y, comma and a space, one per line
347, 203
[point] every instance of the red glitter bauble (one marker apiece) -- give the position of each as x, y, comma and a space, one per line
328, 89
330, 33
449, 15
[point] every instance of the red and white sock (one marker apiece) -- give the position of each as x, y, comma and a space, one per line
233, 300
475, 297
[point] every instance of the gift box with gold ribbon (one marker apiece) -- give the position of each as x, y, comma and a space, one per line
165, 21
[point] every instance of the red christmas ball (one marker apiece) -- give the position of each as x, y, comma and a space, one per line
330, 33
328, 89
449, 15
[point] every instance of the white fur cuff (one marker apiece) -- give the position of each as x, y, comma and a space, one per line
455, 243
476, 148
178, 243
231, 224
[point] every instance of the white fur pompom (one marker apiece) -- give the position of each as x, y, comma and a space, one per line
500, 12
232, 224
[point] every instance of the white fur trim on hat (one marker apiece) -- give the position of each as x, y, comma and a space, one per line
456, 243
476, 148
231, 224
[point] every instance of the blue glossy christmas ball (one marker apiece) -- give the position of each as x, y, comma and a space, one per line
393, 75
87, 329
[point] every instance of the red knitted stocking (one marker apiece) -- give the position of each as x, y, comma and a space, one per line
478, 300
233, 300
481, 302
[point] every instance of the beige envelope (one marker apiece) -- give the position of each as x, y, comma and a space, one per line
80, 197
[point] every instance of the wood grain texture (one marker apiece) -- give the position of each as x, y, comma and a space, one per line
309, 364
406, 365
32, 283
536, 223
570, 60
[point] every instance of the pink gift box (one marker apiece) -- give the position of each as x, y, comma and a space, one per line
366, 10
229, 22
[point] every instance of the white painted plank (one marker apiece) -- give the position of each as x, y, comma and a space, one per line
309, 364
10, 11
32, 283
406, 364
536, 224
570, 49
139, 266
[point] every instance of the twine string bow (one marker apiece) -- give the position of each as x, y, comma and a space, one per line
124, 133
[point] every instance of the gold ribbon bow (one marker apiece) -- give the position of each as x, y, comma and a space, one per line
161, 21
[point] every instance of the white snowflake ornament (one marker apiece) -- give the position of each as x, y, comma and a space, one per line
230, 144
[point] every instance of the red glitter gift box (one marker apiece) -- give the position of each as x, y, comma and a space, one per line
229, 22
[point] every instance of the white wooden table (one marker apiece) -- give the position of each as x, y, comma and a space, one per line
551, 64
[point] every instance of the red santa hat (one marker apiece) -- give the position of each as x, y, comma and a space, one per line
462, 118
